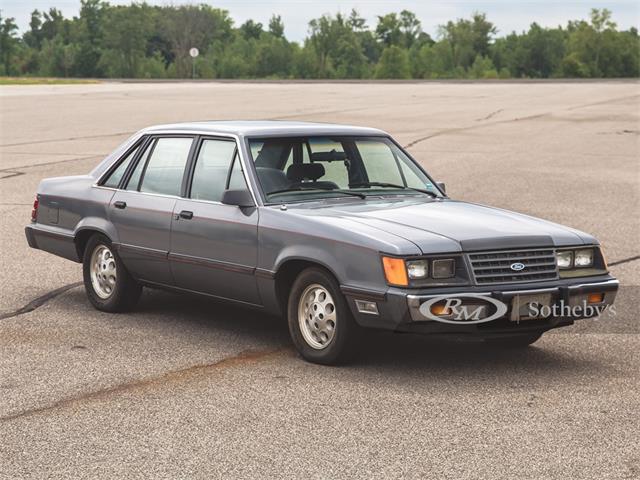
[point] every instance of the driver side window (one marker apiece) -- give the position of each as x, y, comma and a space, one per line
216, 164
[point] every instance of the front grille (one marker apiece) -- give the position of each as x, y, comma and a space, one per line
495, 267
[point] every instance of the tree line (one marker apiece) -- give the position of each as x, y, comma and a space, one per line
145, 41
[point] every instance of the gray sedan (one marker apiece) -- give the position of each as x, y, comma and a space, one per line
335, 227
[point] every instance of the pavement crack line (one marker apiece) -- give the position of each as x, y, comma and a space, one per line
473, 127
14, 172
492, 114
624, 260
68, 139
40, 301
499, 122
174, 376
604, 102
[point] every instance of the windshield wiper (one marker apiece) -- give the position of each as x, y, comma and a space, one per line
393, 185
325, 189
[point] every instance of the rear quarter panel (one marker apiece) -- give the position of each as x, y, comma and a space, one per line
67, 206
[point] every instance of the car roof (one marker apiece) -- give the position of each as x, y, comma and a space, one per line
263, 128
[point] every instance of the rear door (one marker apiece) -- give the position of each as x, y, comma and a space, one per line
214, 247
142, 210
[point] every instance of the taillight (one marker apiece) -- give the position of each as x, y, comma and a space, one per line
34, 212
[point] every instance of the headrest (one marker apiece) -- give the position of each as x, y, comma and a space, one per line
298, 172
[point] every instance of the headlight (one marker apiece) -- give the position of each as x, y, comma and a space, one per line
444, 268
565, 259
418, 269
584, 258
419, 272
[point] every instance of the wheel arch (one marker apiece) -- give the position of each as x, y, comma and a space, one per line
287, 272
84, 233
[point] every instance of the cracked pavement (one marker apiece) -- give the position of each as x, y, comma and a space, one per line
185, 387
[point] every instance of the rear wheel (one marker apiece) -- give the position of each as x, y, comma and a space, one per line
108, 284
521, 340
320, 322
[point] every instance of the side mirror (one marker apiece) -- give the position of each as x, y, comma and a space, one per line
442, 186
239, 198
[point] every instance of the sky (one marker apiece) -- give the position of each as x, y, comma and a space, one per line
507, 15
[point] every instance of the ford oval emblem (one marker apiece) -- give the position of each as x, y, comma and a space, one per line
516, 267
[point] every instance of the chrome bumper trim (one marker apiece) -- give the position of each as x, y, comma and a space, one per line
610, 288
609, 283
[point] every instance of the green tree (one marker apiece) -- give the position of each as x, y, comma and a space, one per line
139, 40
57, 58
394, 63
190, 26
125, 41
337, 46
251, 29
602, 24
536, 53
388, 30
323, 38
33, 37
273, 57
433, 61
410, 27
483, 68
468, 38
8, 44
90, 37
276, 27
588, 40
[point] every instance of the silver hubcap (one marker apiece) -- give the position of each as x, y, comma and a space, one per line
103, 271
317, 316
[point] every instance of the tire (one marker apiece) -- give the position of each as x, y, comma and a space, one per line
522, 340
329, 331
116, 290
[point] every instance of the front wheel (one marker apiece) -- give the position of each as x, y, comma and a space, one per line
320, 322
108, 284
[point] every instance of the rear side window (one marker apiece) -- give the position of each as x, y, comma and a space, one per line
212, 169
113, 180
165, 167
134, 179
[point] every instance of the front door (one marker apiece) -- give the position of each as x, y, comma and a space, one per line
143, 210
214, 247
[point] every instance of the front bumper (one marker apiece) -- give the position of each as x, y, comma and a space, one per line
399, 309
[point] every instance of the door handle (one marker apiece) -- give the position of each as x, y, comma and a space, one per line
186, 214
120, 204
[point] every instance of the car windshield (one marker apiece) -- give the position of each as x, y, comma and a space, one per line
309, 168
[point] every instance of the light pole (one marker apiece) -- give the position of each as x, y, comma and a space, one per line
193, 52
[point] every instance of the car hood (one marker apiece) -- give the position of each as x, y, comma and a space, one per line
448, 225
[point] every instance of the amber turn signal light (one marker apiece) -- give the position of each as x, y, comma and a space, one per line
440, 309
595, 298
395, 271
